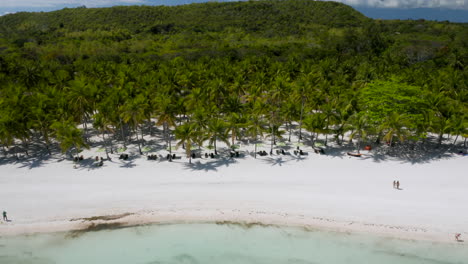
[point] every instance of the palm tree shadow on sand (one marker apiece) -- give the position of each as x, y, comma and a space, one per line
130, 163
414, 153
210, 165
35, 157
275, 161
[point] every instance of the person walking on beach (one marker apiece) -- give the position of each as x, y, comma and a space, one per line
394, 184
5, 218
398, 185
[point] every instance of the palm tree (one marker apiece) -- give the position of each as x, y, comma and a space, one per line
327, 111
68, 135
459, 126
341, 118
186, 135
103, 126
166, 116
200, 119
394, 125
275, 133
44, 108
255, 127
289, 113
133, 113
442, 125
314, 123
235, 121
79, 96
443, 108
15, 119
359, 124
217, 130
6, 131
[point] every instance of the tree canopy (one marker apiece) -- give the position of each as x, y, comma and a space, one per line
226, 71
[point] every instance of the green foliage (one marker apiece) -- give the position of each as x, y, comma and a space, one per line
68, 135
381, 99
238, 69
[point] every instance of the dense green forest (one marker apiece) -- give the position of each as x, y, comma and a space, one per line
221, 71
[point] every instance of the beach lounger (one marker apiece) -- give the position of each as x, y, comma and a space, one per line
354, 154
319, 151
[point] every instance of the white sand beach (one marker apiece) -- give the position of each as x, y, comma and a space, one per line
331, 192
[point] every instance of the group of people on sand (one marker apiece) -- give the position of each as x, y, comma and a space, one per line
396, 184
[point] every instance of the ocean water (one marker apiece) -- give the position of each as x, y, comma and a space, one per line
224, 244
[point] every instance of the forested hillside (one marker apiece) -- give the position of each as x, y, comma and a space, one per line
219, 71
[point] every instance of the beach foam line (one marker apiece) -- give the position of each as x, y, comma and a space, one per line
244, 219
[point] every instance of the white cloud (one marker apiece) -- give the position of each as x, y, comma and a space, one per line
6, 13
56, 3
453, 4
48, 4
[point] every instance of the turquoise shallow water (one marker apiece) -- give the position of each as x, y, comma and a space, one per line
211, 243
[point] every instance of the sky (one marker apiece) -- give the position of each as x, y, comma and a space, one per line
452, 10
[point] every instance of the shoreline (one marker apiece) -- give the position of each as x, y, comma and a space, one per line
75, 227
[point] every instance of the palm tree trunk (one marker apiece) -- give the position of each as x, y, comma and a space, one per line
85, 129
138, 141
455, 141
46, 142
189, 151
110, 144
150, 126
170, 147
233, 136
76, 150
300, 120
272, 138
359, 145
25, 146
166, 138
142, 138
47, 147
5, 151
441, 136
326, 131
377, 141
14, 150
255, 153
216, 152
105, 145
290, 130
123, 134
